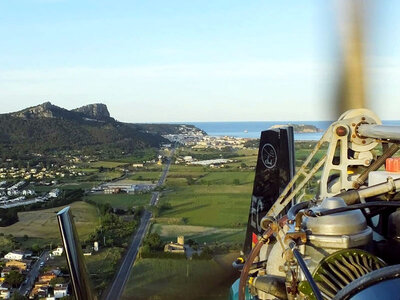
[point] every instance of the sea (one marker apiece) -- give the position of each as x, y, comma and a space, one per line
253, 129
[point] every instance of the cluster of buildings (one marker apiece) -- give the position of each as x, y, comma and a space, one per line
199, 140
186, 135
39, 173
17, 261
216, 142
120, 187
43, 288
16, 195
178, 247
213, 163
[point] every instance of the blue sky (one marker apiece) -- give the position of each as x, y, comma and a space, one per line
164, 61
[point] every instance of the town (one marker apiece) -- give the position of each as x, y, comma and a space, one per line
26, 189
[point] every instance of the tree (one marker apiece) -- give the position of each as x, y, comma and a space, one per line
153, 240
36, 248
14, 278
57, 280
17, 296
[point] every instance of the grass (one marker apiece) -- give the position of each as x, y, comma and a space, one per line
42, 224
102, 266
180, 279
145, 176
106, 164
124, 201
200, 234
241, 177
223, 205
86, 170
109, 175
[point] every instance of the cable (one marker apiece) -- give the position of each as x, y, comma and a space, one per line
311, 213
307, 274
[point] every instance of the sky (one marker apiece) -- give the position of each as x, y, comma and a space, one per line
176, 61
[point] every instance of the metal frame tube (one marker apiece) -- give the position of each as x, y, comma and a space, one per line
381, 132
73, 251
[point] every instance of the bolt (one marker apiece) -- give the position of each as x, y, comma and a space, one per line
341, 131
363, 141
353, 136
363, 118
353, 124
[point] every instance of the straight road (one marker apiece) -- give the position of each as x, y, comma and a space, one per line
118, 285
27, 285
124, 271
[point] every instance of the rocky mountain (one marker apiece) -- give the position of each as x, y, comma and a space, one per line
97, 111
47, 127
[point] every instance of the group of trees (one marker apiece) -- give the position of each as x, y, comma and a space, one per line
113, 230
14, 278
160, 208
8, 216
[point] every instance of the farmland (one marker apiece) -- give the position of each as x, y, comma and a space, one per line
123, 201
42, 224
179, 278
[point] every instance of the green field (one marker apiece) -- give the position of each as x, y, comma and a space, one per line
216, 205
146, 176
102, 266
124, 201
77, 185
200, 234
109, 175
181, 279
106, 164
227, 178
42, 224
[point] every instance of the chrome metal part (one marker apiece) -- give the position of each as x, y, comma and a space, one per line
73, 251
380, 132
346, 223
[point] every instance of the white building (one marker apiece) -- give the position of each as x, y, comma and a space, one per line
58, 251
60, 290
188, 158
15, 255
54, 193
5, 291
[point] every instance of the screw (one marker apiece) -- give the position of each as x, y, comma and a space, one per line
341, 131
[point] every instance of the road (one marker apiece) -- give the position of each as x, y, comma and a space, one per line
122, 276
27, 285
124, 271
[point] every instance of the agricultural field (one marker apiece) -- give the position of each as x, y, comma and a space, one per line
108, 175
123, 201
106, 164
214, 205
145, 176
102, 266
42, 224
200, 234
178, 278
